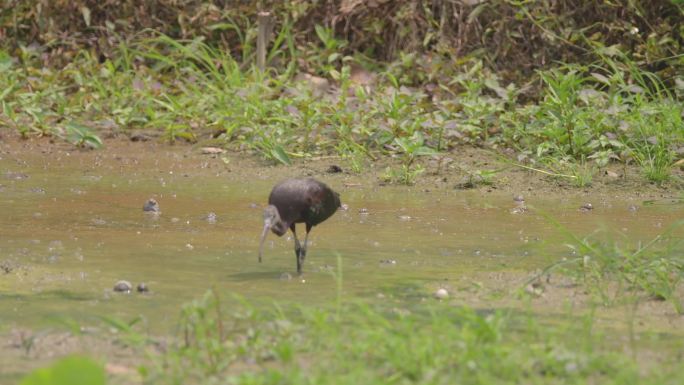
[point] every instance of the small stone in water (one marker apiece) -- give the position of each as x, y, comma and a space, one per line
404, 218
16, 175
151, 206
519, 198
442, 293
212, 150
586, 207
363, 211
211, 217
142, 288
534, 289
344, 207
520, 209
123, 287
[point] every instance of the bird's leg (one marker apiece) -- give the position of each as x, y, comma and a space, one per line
306, 242
298, 250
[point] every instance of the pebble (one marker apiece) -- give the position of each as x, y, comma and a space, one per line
442, 293
519, 198
334, 169
151, 206
123, 287
16, 175
142, 288
363, 211
586, 207
212, 150
98, 221
211, 217
520, 209
535, 289
285, 276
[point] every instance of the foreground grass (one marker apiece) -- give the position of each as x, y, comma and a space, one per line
580, 118
432, 343
429, 342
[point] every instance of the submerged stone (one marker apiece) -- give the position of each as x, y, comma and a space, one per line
211, 217
123, 287
441, 293
586, 207
151, 206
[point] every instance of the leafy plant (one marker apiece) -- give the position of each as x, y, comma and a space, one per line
409, 149
72, 370
82, 136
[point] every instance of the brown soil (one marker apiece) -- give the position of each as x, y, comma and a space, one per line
445, 172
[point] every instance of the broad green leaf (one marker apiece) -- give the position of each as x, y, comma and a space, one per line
280, 155
425, 151
94, 141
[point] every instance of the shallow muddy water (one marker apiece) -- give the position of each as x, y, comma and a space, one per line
72, 225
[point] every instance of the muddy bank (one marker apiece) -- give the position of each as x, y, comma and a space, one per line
448, 171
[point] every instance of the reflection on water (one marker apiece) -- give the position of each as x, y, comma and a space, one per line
71, 229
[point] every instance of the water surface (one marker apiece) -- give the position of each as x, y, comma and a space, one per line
72, 225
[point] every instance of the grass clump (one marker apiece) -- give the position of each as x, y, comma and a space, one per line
431, 343
617, 274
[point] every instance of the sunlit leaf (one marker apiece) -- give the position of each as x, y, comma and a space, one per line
85, 11
425, 151
280, 155
5, 61
600, 78
68, 371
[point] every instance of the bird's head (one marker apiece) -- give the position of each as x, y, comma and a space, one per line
272, 222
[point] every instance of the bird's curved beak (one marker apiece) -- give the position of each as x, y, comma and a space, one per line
267, 226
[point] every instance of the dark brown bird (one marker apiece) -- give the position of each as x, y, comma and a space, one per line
294, 201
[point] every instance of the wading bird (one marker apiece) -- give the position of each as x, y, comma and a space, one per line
293, 201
